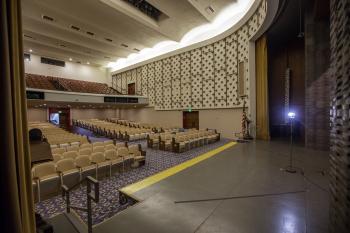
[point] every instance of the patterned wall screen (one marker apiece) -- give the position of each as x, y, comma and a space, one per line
205, 77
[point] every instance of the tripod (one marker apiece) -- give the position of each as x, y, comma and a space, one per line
290, 168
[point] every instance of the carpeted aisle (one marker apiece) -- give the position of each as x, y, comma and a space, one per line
108, 206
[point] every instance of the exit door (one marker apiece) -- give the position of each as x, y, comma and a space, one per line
131, 89
60, 117
191, 120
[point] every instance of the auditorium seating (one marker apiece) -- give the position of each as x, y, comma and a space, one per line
39, 82
70, 85
182, 141
69, 167
157, 128
112, 130
57, 137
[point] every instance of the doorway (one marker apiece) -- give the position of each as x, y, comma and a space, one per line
60, 117
190, 120
131, 89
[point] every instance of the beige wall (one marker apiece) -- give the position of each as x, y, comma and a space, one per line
71, 70
93, 113
226, 121
149, 115
37, 114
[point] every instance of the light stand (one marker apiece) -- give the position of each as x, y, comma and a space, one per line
244, 136
291, 168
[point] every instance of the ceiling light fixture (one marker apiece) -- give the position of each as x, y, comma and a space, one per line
75, 28
224, 21
30, 50
88, 63
70, 59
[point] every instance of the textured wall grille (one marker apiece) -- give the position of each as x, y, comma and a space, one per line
340, 111
206, 77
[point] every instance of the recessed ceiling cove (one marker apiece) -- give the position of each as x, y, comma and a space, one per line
103, 31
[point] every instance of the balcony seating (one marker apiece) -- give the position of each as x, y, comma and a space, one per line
70, 85
39, 82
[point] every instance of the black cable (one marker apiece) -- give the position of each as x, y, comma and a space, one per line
240, 197
302, 172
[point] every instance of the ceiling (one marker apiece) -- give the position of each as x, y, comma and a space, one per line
108, 29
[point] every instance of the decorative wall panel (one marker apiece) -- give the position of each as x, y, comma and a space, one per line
205, 77
144, 79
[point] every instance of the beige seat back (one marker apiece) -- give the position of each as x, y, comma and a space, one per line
58, 151
109, 142
73, 148
64, 145
96, 144
86, 145
85, 151
98, 149
109, 147
82, 161
75, 144
120, 144
56, 157
70, 155
111, 154
133, 148
97, 157
122, 151
65, 165
44, 169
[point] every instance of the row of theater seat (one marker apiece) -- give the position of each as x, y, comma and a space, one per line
112, 130
70, 165
56, 136
71, 85
157, 128
182, 141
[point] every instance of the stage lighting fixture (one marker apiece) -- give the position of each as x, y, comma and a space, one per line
291, 115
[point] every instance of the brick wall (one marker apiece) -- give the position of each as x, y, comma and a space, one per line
317, 112
340, 125
317, 76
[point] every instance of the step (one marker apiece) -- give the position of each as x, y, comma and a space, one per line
67, 223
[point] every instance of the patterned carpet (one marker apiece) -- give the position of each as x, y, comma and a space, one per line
156, 161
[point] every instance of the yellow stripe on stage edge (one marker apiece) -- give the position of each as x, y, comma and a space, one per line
130, 189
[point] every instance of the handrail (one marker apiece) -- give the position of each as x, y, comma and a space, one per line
95, 197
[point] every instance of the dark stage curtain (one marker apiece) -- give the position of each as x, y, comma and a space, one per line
16, 192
